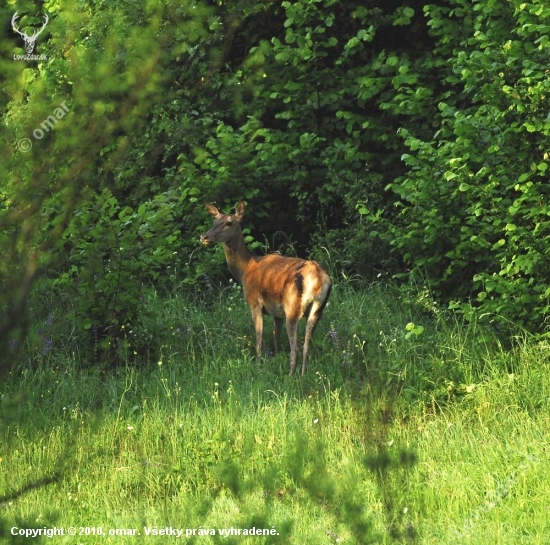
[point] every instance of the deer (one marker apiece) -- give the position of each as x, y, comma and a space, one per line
29, 40
283, 287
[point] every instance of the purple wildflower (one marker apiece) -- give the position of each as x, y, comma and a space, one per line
337, 344
334, 336
47, 346
209, 282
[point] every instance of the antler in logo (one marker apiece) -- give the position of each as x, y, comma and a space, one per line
29, 40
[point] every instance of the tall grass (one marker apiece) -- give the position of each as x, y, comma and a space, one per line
409, 427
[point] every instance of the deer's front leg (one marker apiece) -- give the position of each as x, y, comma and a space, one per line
258, 319
277, 326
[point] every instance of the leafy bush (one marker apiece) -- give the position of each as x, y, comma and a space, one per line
113, 254
299, 117
474, 204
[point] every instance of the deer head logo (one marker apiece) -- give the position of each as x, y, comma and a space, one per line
29, 40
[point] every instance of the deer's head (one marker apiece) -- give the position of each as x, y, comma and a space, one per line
226, 226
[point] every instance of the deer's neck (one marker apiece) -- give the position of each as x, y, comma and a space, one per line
238, 256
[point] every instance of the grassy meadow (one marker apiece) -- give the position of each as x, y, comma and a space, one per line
408, 427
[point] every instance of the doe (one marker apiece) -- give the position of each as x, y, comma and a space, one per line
283, 287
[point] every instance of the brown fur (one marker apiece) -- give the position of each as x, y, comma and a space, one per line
283, 287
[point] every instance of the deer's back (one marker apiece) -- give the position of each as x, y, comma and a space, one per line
284, 286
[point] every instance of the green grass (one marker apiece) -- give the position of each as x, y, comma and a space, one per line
395, 435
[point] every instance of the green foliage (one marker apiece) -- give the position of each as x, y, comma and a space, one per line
53, 155
305, 109
301, 120
473, 207
113, 253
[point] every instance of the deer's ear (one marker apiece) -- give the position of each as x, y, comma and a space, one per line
212, 210
239, 210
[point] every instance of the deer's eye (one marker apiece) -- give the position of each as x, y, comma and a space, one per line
228, 223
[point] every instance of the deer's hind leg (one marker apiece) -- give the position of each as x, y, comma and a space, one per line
313, 318
292, 330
